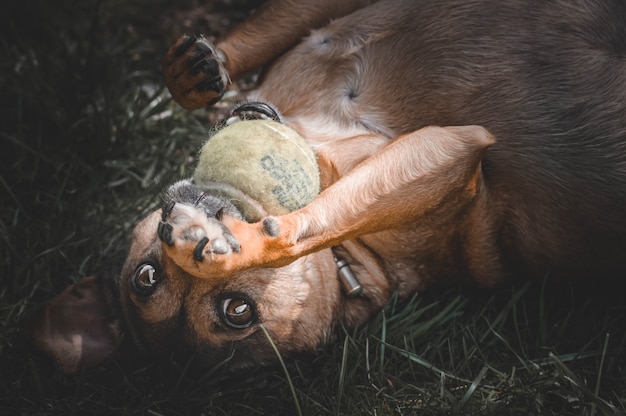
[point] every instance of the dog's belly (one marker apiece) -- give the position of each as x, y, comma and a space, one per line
552, 96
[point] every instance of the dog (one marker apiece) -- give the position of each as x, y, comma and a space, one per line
458, 141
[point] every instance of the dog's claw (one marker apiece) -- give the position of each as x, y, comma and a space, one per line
213, 84
165, 233
199, 62
165, 230
194, 72
204, 48
167, 210
187, 42
198, 252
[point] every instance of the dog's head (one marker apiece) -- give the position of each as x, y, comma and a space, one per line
166, 310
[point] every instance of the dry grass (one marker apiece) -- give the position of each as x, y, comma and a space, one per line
89, 137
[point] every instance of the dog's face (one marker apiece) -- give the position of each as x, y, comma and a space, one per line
167, 310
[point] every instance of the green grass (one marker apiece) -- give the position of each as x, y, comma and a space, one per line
89, 137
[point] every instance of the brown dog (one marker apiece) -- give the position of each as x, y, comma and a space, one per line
530, 182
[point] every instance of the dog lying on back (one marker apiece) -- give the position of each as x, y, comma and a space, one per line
458, 140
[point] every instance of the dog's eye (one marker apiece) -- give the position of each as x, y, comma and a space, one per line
145, 279
238, 313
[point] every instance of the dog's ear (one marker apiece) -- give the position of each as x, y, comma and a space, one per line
79, 328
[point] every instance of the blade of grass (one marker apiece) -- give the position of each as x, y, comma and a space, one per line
501, 318
424, 363
383, 336
342, 373
606, 407
599, 379
282, 363
472, 388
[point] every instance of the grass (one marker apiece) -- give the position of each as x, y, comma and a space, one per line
89, 137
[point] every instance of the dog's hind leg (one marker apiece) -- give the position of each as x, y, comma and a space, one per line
197, 72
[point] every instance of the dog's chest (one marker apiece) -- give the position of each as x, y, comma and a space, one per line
333, 77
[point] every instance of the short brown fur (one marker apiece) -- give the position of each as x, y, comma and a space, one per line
525, 178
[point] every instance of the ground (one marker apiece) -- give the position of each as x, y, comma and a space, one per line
89, 137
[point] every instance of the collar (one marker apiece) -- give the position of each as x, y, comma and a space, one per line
349, 283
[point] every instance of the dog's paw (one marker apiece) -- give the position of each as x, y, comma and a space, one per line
194, 72
260, 247
208, 247
190, 236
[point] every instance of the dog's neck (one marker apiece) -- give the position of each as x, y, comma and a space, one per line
376, 286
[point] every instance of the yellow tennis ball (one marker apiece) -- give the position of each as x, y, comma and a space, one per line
265, 160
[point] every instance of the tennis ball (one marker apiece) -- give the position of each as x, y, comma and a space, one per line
262, 159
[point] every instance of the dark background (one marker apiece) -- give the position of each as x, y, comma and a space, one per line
88, 139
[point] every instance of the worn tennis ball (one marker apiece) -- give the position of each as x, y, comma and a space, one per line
265, 160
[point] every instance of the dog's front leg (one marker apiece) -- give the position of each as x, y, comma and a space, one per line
433, 171
197, 72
